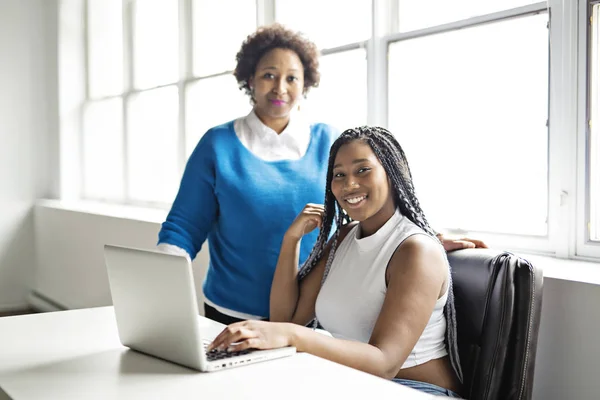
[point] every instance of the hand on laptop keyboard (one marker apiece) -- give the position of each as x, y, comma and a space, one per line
222, 354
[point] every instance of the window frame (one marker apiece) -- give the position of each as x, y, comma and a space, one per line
186, 77
537, 244
585, 247
568, 169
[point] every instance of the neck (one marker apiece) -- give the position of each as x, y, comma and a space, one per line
375, 222
277, 124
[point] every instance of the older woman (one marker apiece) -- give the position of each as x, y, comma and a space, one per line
247, 179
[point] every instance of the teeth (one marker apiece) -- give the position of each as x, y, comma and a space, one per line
355, 200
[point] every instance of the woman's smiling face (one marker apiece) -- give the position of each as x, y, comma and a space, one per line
278, 84
361, 185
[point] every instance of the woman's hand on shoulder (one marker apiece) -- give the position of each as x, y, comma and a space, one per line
452, 244
310, 218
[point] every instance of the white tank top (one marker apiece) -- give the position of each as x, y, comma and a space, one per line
351, 298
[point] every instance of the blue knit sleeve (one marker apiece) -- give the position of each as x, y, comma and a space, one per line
195, 208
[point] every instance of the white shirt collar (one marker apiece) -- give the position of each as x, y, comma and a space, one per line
263, 131
265, 143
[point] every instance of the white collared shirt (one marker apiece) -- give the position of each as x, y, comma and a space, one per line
265, 143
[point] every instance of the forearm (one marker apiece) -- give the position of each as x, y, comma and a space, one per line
362, 356
195, 208
284, 288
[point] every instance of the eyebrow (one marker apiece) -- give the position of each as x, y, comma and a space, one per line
357, 161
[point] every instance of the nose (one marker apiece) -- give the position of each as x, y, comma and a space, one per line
279, 86
350, 184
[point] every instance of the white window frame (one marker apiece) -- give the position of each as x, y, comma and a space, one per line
568, 206
265, 13
538, 244
584, 247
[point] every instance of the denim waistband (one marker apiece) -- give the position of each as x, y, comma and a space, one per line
425, 387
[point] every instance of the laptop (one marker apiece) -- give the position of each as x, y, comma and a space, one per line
155, 304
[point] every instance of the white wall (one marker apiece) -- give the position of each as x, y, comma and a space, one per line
71, 272
28, 116
69, 248
568, 353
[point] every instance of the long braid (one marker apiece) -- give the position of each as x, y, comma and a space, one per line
394, 161
328, 217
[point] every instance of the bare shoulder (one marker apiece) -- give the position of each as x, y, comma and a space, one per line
421, 255
421, 245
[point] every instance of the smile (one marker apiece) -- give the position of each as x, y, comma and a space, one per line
355, 201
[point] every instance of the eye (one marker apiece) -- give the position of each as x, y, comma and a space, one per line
338, 175
363, 169
268, 75
292, 78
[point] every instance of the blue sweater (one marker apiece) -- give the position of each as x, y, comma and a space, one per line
244, 205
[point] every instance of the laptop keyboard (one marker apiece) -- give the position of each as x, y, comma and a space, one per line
215, 354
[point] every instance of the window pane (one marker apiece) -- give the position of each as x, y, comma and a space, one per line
152, 145
328, 23
103, 150
155, 42
213, 55
470, 108
105, 42
211, 102
419, 14
594, 167
341, 98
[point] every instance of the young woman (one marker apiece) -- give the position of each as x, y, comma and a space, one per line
248, 179
382, 286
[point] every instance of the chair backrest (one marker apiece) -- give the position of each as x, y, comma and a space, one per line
498, 299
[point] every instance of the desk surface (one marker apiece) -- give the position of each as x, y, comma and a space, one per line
77, 355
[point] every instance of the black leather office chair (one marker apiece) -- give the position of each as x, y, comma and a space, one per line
498, 299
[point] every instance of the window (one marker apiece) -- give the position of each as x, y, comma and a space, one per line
152, 167
495, 102
103, 176
454, 109
105, 48
341, 98
218, 33
155, 68
331, 23
593, 168
341, 29
200, 113
414, 14
155, 43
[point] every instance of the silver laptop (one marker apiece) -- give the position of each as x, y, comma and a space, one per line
155, 305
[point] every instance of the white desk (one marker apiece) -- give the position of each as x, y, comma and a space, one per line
77, 355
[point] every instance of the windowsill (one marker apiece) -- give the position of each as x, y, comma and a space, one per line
554, 268
135, 213
566, 269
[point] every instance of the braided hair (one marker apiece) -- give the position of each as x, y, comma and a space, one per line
391, 156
